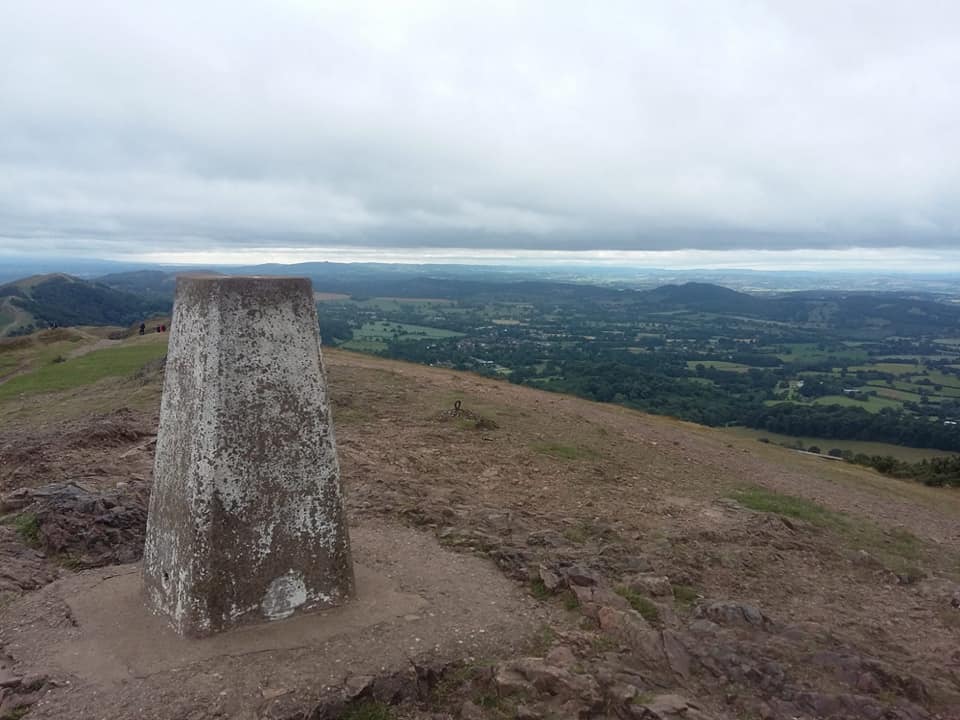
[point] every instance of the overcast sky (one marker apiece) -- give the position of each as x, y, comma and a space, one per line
207, 130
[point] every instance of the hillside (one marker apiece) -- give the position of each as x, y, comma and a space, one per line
676, 571
61, 300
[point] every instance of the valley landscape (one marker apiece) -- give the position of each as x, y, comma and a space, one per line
872, 377
661, 568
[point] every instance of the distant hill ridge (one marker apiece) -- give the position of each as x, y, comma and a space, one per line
123, 298
41, 301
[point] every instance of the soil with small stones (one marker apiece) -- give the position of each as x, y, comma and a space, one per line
587, 507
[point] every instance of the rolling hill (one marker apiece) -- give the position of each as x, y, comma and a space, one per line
43, 301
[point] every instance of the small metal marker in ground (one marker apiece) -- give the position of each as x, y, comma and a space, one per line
246, 518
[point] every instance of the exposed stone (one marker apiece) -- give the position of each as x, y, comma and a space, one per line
551, 580
32, 682
526, 712
561, 656
21, 568
667, 707
702, 626
592, 598
871, 675
246, 519
471, 711
8, 679
574, 709
509, 681
90, 526
727, 612
582, 576
356, 686
551, 680
622, 693
678, 658
664, 652
14, 704
650, 584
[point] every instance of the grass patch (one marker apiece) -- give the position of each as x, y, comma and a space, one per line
368, 710
685, 596
897, 549
763, 500
85, 370
719, 365
542, 640
907, 454
569, 601
872, 404
603, 643
578, 534
28, 528
565, 452
892, 368
456, 678
539, 590
648, 611
384, 331
643, 698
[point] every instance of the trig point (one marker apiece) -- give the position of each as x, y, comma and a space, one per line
246, 518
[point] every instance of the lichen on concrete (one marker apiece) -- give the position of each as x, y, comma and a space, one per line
247, 484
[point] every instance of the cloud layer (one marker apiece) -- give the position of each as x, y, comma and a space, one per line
183, 126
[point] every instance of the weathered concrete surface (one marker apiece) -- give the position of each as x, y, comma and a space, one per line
246, 515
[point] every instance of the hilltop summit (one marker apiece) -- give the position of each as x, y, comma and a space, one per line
652, 568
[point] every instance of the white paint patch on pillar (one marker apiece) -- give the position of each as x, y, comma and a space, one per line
284, 595
246, 516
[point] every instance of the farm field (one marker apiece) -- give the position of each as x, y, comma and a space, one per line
906, 454
873, 404
719, 365
374, 336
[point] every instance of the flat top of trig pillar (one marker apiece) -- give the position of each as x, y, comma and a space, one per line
263, 286
200, 277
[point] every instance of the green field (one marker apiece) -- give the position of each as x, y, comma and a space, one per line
719, 365
898, 395
892, 368
403, 331
856, 446
373, 337
939, 378
811, 352
397, 304
121, 360
874, 404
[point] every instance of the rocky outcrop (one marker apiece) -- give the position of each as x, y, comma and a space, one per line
83, 526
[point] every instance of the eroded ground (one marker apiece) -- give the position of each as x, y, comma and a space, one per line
682, 573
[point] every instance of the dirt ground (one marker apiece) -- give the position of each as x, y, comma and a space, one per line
668, 596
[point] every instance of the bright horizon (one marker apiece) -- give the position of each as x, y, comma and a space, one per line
866, 260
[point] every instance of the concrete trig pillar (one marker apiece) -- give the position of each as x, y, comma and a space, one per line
246, 516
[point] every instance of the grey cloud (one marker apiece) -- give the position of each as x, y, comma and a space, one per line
619, 125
